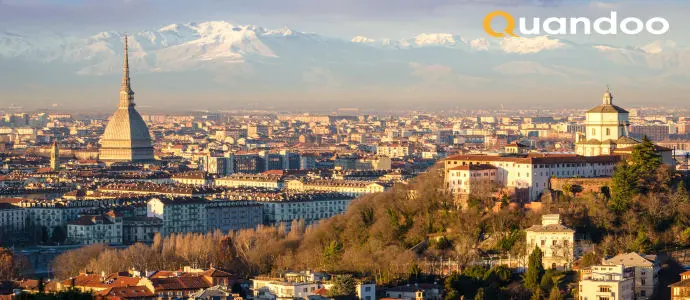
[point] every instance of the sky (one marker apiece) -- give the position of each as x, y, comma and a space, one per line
339, 18
344, 19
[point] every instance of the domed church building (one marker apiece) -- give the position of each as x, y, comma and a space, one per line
126, 137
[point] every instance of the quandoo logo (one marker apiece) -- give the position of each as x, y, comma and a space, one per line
578, 25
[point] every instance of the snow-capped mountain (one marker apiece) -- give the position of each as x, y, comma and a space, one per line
248, 58
194, 46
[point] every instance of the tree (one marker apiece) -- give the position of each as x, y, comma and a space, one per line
458, 285
645, 157
624, 187
555, 293
415, 271
343, 285
500, 275
59, 235
535, 270
480, 295
536, 294
41, 286
7, 270
44, 235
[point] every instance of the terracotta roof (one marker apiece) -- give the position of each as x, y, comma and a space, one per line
180, 283
321, 292
213, 272
125, 292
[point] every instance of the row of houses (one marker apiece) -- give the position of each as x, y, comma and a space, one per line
218, 284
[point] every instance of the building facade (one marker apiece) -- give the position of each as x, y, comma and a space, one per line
556, 242
95, 229
613, 282
646, 268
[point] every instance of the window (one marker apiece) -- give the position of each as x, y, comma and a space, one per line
643, 293
642, 281
543, 242
608, 131
604, 289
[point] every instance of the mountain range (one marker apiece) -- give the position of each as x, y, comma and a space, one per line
219, 57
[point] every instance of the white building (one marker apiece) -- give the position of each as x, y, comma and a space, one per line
556, 241
612, 282
530, 174
394, 150
179, 215
351, 188
95, 229
366, 290
310, 208
277, 289
461, 179
646, 269
12, 219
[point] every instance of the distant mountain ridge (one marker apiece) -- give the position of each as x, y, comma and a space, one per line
217, 55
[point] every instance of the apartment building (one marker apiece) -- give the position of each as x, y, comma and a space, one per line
347, 187
181, 215
610, 282
95, 229
646, 268
308, 207
268, 181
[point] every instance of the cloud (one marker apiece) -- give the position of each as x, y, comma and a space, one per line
87, 12
525, 45
603, 5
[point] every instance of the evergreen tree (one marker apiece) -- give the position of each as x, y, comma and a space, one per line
535, 270
645, 157
59, 235
682, 193
41, 286
624, 187
343, 285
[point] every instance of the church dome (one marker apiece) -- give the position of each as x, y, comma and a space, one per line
126, 128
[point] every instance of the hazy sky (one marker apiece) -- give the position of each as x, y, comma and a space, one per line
345, 19
340, 18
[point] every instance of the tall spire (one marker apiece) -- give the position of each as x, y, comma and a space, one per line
126, 93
